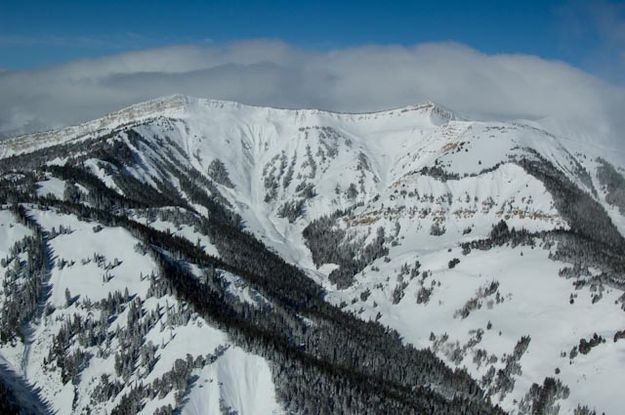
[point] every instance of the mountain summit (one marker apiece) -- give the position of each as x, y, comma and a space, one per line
200, 256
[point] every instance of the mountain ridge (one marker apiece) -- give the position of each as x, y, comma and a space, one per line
437, 243
179, 104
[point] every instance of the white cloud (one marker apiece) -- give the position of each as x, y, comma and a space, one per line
272, 73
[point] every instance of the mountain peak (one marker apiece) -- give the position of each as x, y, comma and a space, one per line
161, 219
183, 106
184, 103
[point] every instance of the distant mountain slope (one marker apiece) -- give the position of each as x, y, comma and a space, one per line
185, 254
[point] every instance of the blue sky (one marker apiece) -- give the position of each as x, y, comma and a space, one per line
39, 33
563, 61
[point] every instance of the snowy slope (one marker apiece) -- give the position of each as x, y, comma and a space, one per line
400, 191
89, 264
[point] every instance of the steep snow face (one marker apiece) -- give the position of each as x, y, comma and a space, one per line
381, 210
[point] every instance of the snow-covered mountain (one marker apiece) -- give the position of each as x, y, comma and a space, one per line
205, 256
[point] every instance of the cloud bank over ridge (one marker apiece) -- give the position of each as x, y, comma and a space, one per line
272, 73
